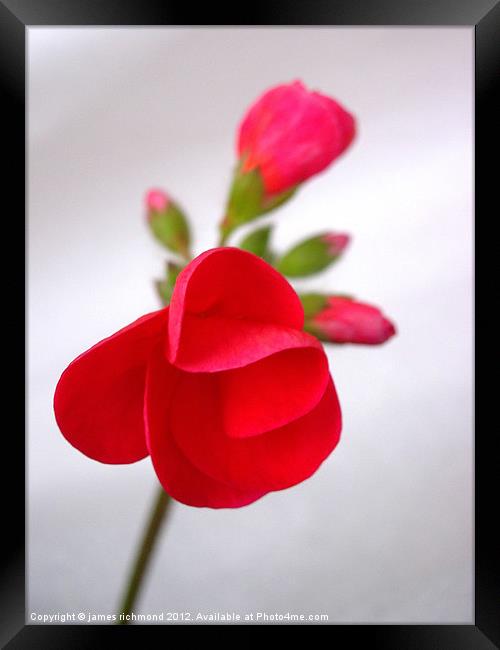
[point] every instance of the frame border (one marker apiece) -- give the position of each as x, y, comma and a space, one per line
16, 16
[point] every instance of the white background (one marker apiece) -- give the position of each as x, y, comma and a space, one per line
383, 531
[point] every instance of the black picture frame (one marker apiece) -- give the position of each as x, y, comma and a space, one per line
16, 16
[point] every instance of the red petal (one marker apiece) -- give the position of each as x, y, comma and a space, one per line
230, 308
99, 399
274, 391
272, 461
178, 476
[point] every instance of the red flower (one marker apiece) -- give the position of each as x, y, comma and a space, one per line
291, 133
223, 389
344, 320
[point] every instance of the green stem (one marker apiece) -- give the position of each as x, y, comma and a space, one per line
222, 240
224, 231
139, 568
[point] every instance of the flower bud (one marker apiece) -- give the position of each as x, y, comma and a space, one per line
288, 135
157, 201
313, 255
340, 319
167, 222
291, 133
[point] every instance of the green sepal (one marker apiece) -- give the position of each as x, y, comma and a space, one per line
306, 258
248, 201
313, 303
245, 197
257, 242
171, 228
275, 201
165, 287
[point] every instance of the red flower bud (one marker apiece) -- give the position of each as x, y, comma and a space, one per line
336, 243
168, 222
344, 320
291, 133
312, 255
223, 388
156, 201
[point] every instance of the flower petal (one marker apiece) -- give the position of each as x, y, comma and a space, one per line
230, 308
214, 344
99, 398
272, 461
273, 391
178, 476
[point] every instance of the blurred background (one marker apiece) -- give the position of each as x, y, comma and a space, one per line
383, 532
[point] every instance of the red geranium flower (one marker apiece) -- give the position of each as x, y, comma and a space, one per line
223, 389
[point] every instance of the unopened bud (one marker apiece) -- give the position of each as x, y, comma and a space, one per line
167, 222
313, 255
340, 319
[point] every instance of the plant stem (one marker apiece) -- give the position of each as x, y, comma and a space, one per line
139, 568
224, 231
223, 238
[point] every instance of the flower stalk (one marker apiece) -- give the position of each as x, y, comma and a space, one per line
145, 550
